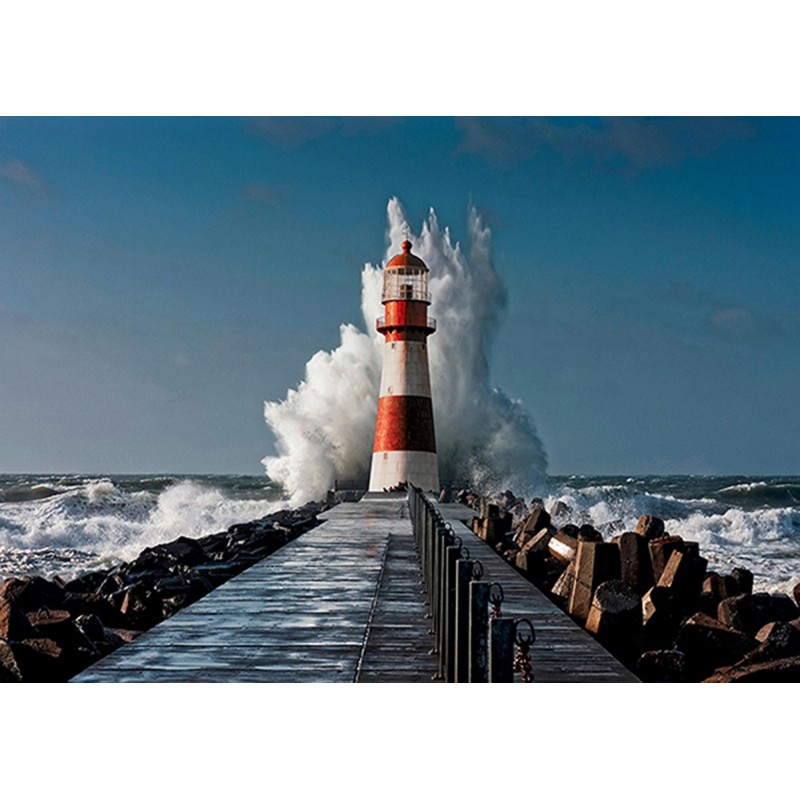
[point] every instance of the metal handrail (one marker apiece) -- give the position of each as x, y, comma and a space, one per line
417, 296
474, 644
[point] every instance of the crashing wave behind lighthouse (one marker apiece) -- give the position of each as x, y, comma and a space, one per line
404, 450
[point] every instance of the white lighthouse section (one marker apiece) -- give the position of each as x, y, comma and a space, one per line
405, 369
390, 467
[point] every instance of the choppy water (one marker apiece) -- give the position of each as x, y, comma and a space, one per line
738, 520
66, 524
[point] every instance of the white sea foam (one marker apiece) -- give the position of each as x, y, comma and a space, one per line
765, 540
98, 522
324, 428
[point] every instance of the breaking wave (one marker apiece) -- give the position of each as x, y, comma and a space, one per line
731, 531
324, 428
97, 521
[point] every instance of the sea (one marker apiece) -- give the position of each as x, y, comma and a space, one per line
66, 525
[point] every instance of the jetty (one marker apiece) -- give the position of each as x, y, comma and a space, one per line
347, 602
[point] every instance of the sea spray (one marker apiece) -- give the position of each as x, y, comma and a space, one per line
324, 428
89, 522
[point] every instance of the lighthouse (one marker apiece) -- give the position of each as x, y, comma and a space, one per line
405, 444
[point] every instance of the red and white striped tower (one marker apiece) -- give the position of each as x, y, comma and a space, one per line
405, 444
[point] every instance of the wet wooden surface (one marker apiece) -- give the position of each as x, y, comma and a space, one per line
563, 651
342, 603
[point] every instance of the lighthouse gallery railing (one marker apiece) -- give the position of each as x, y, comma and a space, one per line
430, 323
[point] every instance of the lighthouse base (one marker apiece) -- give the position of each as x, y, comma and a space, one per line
391, 467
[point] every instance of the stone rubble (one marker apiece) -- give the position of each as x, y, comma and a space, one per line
646, 595
50, 630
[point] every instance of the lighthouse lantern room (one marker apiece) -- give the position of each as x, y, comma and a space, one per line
404, 450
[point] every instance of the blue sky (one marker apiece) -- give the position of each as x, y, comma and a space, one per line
161, 278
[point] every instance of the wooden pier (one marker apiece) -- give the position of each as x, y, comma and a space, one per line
342, 603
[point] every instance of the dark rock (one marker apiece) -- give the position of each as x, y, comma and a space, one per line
660, 551
750, 612
14, 625
740, 581
39, 660
563, 586
140, 606
662, 666
96, 604
492, 530
536, 521
778, 607
708, 644
86, 584
708, 603
714, 585
560, 510
115, 581
661, 617
635, 566
586, 533
30, 594
781, 641
531, 555
650, 527
92, 627
683, 575
736, 612
616, 618
59, 627
784, 670
10, 671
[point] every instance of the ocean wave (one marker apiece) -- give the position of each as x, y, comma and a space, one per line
764, 539
763, 492
99, 520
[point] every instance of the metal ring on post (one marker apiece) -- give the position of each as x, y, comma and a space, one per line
520, 638
496, 599
464, 552
523, 641
477, 570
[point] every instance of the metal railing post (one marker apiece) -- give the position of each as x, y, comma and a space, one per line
479, 632
464, 567
501, 650
449, 649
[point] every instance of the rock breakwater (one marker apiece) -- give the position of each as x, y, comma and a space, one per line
50, 630
646, 595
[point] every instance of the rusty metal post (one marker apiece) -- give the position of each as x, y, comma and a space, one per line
501, 650
463, 578
479, 632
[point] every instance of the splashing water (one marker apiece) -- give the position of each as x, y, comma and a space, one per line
324, 428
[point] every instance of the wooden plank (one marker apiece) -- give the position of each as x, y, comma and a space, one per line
341, 603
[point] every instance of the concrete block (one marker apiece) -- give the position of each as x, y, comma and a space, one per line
636, 568
650, 527
595, 562
563, 546
684, 575
660, 551
563, 586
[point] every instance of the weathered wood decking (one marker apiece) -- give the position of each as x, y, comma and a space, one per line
341, 603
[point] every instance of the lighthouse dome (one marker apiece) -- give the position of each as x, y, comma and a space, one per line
407, 259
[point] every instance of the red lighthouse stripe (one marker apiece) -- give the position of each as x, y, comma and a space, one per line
404, 423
